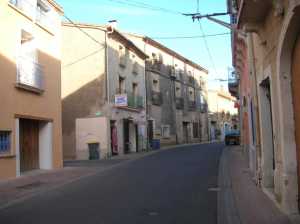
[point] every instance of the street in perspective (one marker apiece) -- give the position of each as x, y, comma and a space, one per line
139, 111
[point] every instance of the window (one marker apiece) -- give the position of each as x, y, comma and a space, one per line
191, 94
178, 90
121, 87
155, 85
135, 68
135, 89
5, 141
43, 14
122, 56
165, 130
195, 130
24, 5
30, 72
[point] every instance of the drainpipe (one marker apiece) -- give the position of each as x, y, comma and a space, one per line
106, 69
146, 100
258, 145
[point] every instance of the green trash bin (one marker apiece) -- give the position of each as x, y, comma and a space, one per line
94, 150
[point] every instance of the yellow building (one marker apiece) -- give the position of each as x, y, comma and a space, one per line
30, 90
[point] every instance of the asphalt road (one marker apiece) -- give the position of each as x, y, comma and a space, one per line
170, 187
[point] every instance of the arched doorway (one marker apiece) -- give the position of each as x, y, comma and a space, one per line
296, 103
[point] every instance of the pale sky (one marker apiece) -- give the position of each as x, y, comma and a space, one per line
165, 21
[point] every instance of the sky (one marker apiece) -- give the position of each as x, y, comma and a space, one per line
165, 23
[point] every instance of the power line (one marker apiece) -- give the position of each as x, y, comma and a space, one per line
84, 32
193, 37
205, 41
143, 5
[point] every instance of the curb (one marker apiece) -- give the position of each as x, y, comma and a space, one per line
227, 212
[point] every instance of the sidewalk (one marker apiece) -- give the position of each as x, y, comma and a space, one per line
240, 201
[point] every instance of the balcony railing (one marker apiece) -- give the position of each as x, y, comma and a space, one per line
44, 18
30, 75
157, 98
133, 101
233, 83
24, 5
179, 103
203, 108
191, 105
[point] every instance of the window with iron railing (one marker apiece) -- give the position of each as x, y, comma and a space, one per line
5, 141
44, 15
40, 11
25, 6
30, 74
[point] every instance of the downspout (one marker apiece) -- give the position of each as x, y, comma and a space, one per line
146, 100
107, 98
258, 145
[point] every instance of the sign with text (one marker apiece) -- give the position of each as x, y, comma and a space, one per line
121, 100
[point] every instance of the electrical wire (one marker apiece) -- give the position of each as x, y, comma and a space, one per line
84, 32
193, 37
205, 42
139, 4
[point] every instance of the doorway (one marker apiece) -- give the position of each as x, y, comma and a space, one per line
268, 154
113, 138
185, 132
150, 132
126, 136
296, 103
29, 144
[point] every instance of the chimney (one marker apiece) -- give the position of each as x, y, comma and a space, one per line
113, 23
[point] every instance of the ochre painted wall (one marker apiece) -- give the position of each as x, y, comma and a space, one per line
15, 101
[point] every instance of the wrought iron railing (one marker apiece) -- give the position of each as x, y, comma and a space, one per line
157, 98
179, 103
30, 74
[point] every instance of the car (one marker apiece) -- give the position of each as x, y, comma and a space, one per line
232, 137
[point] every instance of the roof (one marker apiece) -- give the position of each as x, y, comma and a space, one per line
154, 43
128, 43
56, 6
112, 33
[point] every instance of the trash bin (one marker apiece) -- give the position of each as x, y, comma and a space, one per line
155, 144
94, 151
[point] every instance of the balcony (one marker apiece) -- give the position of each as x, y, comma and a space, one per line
179, 103
130, 100
25, 6
157, 98
135, 68
204, 108
123, 61
30, 75
191, 105
153, 65
253, 12
233, 84
44, 18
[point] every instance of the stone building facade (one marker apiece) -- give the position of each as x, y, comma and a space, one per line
102, 78
176, 95
266, 52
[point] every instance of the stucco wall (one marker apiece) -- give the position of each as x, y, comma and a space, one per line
83, 79
46, 105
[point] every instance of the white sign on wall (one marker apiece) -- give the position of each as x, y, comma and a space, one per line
121, 100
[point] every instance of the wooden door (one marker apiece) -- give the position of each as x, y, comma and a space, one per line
29, 144
296, 102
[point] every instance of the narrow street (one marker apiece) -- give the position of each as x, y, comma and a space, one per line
172, 186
